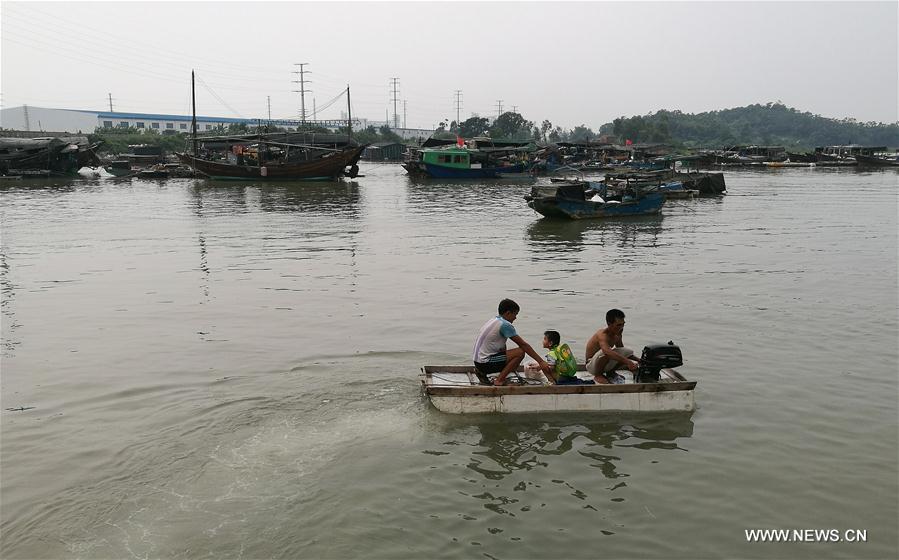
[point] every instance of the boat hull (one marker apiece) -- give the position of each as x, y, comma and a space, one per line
457, 392
563, 208
441, 172
119, 171
880, 162
328, 167
661, 401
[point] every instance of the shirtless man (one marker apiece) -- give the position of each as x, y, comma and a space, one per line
606, 351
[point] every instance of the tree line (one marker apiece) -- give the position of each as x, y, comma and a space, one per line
513, 126
769, 124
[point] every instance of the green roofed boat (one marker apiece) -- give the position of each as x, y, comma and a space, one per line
462, 162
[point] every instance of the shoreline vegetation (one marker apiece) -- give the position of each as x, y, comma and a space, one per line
769, 124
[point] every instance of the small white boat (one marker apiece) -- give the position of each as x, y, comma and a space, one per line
456, 389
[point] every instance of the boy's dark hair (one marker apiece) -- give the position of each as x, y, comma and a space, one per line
508, 305
554, 337
613, 314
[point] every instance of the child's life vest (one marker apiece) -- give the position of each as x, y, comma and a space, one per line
566, 364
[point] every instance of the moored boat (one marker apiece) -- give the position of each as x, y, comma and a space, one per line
258, 157
802, 158
462, 162
47, 156
878, 161
323, 164
120, 168
569, 201
676, 189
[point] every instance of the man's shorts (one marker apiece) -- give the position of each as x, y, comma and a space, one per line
490, 367
611, 365
573, 380
483, 368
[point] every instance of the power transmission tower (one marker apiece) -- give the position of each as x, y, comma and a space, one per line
499, 108
302, 91
458, 108
27, 122
396, 119
110, 103
515, 108
404, 113
269, 107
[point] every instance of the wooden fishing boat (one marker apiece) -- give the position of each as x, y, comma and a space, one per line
456, 390
569, 201
59, 156
268, 159
323, 164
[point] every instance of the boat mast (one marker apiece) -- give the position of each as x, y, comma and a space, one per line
193, 100
349, 114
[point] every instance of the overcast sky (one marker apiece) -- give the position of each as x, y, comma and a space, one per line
571, 63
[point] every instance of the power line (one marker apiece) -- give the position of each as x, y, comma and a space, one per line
63, 27
220, 100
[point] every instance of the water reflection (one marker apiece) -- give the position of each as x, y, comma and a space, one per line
456, 196
49, 186
7, 296
339, 198
551, 238
201, 241
504, 446
333, 198
515, 464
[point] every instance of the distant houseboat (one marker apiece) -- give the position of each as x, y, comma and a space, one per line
825, 153
466, 163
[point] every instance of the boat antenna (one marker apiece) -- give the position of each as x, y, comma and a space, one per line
193, 101
349, 115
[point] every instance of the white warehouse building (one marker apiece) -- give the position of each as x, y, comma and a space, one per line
30, 118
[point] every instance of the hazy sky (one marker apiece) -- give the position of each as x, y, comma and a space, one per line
571, 63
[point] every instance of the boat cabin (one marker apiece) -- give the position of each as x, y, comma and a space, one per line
767, 153
850, 150
447, 158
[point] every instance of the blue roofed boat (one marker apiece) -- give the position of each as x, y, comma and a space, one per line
581, 200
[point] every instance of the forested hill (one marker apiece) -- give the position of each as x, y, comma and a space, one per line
770, 124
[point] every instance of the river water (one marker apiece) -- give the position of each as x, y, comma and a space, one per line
229, 370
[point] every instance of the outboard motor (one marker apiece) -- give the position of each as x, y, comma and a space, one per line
654, 358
